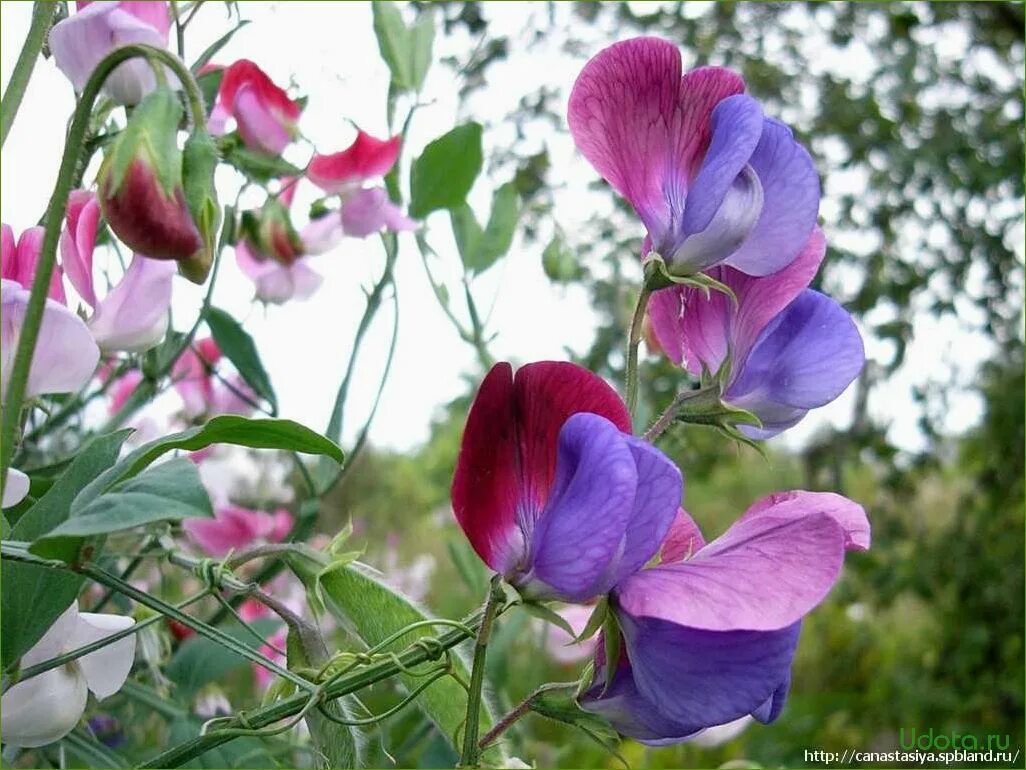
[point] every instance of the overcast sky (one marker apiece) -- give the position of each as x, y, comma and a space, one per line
329, 52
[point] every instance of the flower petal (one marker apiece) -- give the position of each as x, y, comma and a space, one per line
643, 127
369, 210
16, 487
791, 193
106, 669
133, 317
804, 358
697, 678
579, 534
771, 567
43, 709
78, 241
365, 158
258, 126
65, 355
323, 234
683, 540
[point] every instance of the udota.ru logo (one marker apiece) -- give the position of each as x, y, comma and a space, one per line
931, 741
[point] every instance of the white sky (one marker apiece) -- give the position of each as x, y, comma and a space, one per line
328, 50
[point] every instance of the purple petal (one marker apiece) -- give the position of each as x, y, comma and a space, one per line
643, 127
133, 317
698, 679
323, 234
791, 192
803, 359
683, 540
656, 502
768, 570
369, 210
736, 127
580, 531
771, 708
65, 355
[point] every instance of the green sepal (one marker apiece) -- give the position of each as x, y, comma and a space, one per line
596, 621
199, 161
150, 135
611, 642
658, 276
559, 702
549, 615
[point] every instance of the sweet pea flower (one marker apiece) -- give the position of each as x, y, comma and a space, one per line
47, 707
133, 316
264, 114
18, 260
364, 210
709, 634
16, 488
202, 393
712, 179
551, 488
236, 527
82, 40
789, 349
270, 252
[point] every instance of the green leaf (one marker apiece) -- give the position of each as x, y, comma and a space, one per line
171, 491
498, 234
211, 50
209, 84
444, 173
559, 262
596, 621
549, 616
406, 51
466, 231
559, 702
611, 639
223, 429
374, 611
33, 597
87, 751
199, 660
238, 345
256, 165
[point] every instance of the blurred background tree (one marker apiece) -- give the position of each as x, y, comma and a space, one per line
920, 147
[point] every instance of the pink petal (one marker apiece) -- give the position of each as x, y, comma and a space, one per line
322, 234
683, 540
276, 283
8, 253
133, 317
150, 12
642, 126
258, 125
365, 158
65, 355
122, 389
232, 527
369, 210
777, 562
78, 240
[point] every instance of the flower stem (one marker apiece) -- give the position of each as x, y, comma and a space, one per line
55, 211
633, 341
511, 717
42, 17
665, 420
471, 752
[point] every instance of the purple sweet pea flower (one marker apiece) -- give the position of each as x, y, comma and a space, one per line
713, 180
552, 490
710, 639
790, 349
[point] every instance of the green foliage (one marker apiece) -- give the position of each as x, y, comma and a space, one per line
406, 50
480, 249
200, 661
236, 343
444, 173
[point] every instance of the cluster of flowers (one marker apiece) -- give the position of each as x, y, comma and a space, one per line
555, 492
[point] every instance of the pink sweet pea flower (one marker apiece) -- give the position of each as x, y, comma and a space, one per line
82, 40
237, 527
712, 179
19, 260
133, 316
276, 283
364, 210
264, 114
202, 393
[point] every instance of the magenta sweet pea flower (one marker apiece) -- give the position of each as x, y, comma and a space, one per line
203, 394
364, 210
80, 41
18, 261
132, 316
551, 488
712, 179
789, 349
264, 114
237, 527
711, 638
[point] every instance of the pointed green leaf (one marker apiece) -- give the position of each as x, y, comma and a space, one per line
549, 615
211, 50
238, 345
466, 231
444, 173
498, 233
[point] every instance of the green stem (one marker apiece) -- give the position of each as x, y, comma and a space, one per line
633, 341
357, 680
471, 752
42, 17
665, 420
55, 212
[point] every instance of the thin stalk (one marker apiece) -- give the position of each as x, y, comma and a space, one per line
55, 211
127, 572
353, 682
633, 341
665, 420
515, 713
471, 753
42, 17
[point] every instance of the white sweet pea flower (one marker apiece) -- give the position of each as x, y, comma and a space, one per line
16, 488
44, 708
